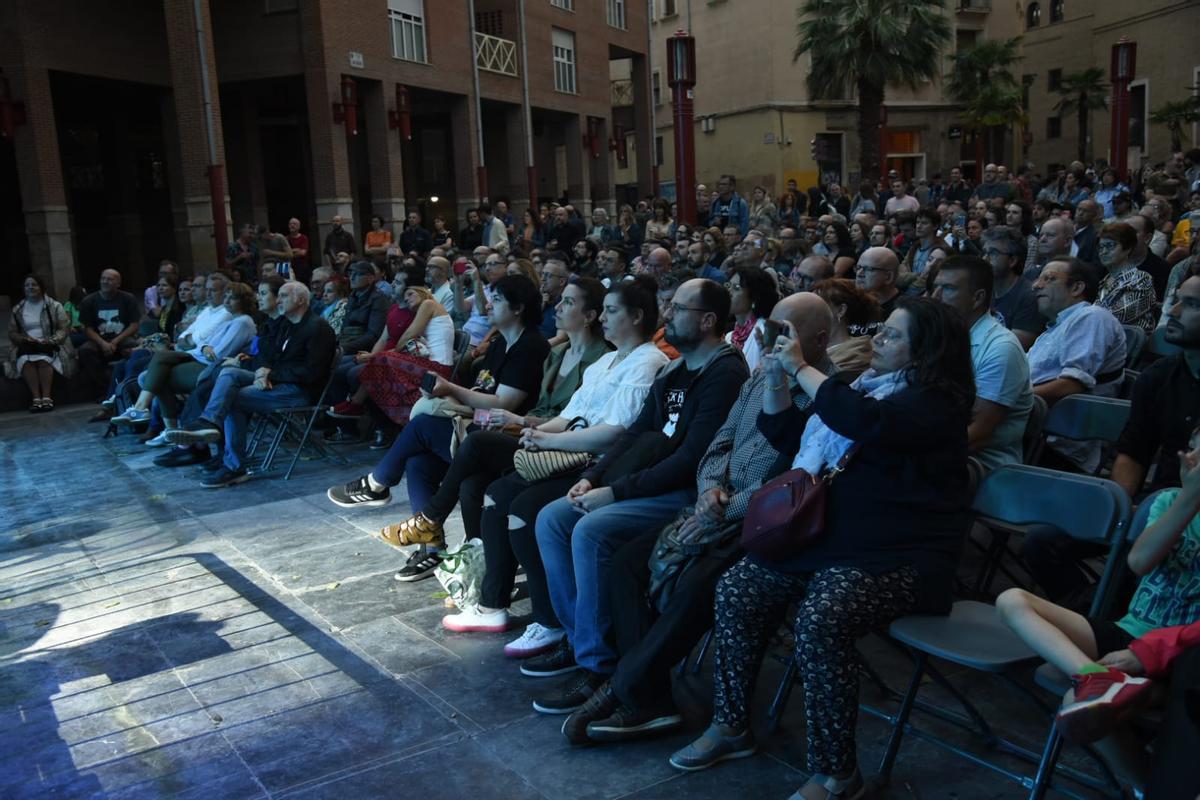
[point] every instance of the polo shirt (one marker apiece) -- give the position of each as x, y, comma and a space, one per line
1001, 377
1165, 408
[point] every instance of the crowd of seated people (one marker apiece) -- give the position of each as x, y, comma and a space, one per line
601, 401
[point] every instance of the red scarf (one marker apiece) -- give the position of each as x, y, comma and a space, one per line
742, 332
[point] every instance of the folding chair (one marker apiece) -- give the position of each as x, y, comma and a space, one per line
1127, 382
1086, 417
1054, 680
293, 419
1135, 340
462, 345
1031, 440
1084, 507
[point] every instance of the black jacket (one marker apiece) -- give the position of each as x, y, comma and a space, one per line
340, 241
705, 407
469, 238
271, 336
415, 239
902, 499
366, 314
305, 355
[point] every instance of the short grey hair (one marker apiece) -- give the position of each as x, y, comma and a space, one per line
1011, 238
322, 274
301, 291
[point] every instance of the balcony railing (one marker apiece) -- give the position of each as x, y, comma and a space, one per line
622, 93
973, 6
494, 54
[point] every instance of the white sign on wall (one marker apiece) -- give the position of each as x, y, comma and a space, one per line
356, 59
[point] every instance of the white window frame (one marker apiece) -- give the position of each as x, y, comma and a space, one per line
566, 68
406, 24
616, 14
565, 5
670, 8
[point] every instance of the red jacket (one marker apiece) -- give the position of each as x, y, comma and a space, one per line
1159, 647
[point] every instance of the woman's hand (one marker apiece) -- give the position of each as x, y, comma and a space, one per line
787, 350
500, 417
594, 499
579, 490
361, 357
533, 439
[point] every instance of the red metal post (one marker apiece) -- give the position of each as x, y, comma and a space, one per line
883, 141
1121, 72
681, 75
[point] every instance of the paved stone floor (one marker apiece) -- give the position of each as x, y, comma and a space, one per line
160, 640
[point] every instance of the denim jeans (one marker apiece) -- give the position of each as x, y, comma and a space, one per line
577, 550
422, 453
224, 394
248, 401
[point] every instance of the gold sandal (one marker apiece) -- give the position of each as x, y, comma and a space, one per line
415, 530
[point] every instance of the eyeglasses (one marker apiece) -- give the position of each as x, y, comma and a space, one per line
1107, 244
676, 308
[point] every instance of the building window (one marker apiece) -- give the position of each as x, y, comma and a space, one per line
564, 60
566, 5
668, 8
658, 151
1054, 80
616, 14
1056, 10
1033, 15
656, 87
1137, 115
1053, 127
407, 19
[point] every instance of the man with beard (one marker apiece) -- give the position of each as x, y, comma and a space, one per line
578, 534
339, 240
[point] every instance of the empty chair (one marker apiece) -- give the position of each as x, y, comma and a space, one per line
1135, 340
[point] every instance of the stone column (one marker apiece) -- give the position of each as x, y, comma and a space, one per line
383, 151
516, 182
330, 156
579, 189
39, 172
466, 154
601, 170
645, 134
184, 49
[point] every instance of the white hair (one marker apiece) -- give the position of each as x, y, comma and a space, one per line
301, 291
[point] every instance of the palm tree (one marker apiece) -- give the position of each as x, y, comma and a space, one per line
982, 80
870, 44
1082, 93
1173, 115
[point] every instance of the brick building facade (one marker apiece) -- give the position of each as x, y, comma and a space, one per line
111, 165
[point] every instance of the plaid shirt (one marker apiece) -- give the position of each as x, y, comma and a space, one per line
1129, 295
740, 459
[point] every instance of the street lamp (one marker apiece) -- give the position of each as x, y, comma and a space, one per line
1121, 72
347, 110
681, 76
401, 118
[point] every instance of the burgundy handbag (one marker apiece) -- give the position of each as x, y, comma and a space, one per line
786, 514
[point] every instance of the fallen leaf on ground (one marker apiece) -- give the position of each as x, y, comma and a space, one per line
333, 586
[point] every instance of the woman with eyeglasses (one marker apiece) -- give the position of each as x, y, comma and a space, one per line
894, 523
1126, 291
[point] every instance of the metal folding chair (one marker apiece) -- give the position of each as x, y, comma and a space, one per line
1084, 507
1135, 340
298, 421
1085, 417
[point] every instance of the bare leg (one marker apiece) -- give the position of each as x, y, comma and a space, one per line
360, 396
45, 377
143, 401
30, 374
1057, 634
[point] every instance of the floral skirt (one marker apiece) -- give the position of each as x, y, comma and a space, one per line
393, 381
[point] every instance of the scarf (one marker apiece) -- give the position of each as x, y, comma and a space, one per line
742, 332
820, 447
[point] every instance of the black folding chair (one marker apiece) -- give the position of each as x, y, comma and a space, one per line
298, 421
1083, 507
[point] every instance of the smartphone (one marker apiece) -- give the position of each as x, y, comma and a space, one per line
483, 417
428, 382
960, 220
771, 331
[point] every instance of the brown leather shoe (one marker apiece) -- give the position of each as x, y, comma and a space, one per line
103, 415
415, 530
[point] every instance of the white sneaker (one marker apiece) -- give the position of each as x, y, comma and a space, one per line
110, 403
472, 620
536, 639
161, 440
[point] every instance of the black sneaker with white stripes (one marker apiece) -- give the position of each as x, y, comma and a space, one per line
420, 565
359, 494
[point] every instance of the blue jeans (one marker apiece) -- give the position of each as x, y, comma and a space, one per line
577, 550
229, 383
248, 401
422, 453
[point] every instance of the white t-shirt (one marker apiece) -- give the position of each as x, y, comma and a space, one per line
613, 394
444, 294
439, 335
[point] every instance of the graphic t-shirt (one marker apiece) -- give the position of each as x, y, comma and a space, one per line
676, 393
108, 317
1170, 593
519, 367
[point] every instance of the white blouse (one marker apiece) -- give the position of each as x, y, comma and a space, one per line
613, 394
439, 335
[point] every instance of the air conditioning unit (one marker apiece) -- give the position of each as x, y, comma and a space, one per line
708, 124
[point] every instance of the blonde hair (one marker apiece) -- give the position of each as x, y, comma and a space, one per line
421, 291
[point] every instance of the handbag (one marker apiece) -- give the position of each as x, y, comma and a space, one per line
788, 513
538, 465
461, 572
36, 349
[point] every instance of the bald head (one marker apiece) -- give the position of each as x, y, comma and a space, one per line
110, 282
659, 260
812, 321
880, 257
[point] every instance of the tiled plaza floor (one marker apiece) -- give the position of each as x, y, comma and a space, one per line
160, 640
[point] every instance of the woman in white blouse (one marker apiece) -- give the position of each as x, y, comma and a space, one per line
40, 331
609, 400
